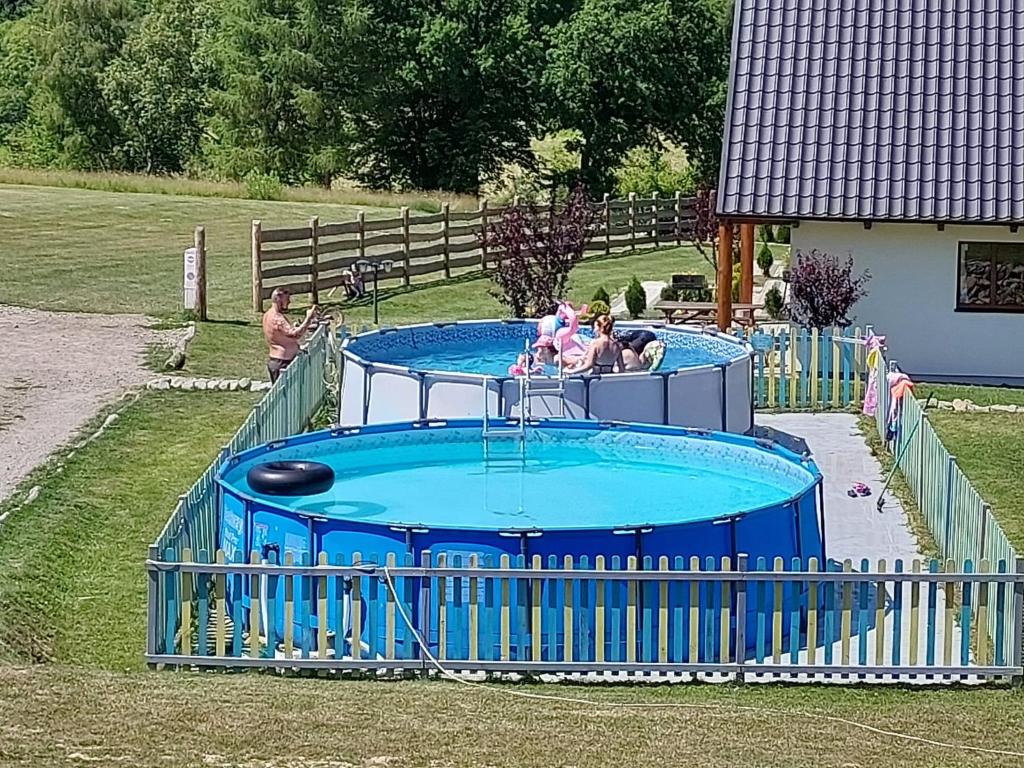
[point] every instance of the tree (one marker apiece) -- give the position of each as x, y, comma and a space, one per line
13, 9
18, 61
539, 248
625, 73
155, 88
69, 110
282, 72
456, 94
823, 290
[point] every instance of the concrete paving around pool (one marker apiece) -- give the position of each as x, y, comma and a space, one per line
853, 526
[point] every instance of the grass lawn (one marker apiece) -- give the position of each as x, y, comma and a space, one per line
980, 395
93, 251
72, 582
990, 449
62, 716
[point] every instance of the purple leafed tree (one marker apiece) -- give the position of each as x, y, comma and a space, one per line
824, 289
536, 248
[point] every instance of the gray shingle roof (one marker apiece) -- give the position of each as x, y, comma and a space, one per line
900, 110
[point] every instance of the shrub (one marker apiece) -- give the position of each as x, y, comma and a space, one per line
601, 295
539, 250
782, 234
765, 259
263, 186
636, 298
767, 235
670, 293
737, 278
773, 303
824, 289
595, 308
646, 170
695, 294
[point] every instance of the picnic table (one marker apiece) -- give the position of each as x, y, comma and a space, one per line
705, 312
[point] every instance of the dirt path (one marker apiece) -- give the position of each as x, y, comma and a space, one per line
59, 370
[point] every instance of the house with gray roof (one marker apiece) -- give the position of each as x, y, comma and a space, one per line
893, 131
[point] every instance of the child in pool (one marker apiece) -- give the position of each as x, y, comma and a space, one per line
523, 364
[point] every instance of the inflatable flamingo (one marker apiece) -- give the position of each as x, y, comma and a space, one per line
563, 327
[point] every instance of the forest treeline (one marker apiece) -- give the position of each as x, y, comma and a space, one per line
392, 94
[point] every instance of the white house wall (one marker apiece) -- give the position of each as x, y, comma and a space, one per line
912, 297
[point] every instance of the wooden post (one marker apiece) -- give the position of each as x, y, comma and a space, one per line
314, 258
655, 222
445, 213
746, 263
632, 221
607, 224
679, 217
361, 234
257, 277
200, 246
405, 244
724, 285
483, 234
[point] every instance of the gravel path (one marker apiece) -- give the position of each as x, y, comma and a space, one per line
59, 369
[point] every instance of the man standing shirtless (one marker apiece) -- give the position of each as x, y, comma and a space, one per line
283, 337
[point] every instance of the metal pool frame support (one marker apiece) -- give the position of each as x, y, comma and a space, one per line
716, 396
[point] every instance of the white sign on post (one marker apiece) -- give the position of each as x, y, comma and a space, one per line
191, 267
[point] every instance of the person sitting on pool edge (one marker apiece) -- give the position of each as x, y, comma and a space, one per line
604, 355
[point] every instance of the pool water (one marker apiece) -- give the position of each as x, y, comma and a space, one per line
492, 357
570, 484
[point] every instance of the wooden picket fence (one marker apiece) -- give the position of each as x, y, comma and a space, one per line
716, 620
286, 409
957, 516
797, 368
439, 243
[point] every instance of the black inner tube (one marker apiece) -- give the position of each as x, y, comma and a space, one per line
291, 478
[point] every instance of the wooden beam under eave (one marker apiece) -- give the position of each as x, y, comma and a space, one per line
747, 263
723, 288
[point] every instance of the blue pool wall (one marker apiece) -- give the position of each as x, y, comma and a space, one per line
792, 529
717, 397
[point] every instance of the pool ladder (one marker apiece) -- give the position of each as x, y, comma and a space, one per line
507, 427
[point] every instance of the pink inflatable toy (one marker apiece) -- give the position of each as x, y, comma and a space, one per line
523, 364
567, 339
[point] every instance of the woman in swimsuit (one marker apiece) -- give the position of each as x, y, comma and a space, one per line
604, 355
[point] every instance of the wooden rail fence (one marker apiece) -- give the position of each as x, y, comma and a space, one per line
885, 621
313, 258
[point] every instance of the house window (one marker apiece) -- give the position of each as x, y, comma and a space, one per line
991, 277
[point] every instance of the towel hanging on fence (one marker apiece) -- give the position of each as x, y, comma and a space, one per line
899, 385
874, 346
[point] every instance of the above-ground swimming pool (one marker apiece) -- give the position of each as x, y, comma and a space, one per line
564, 488
443, 370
